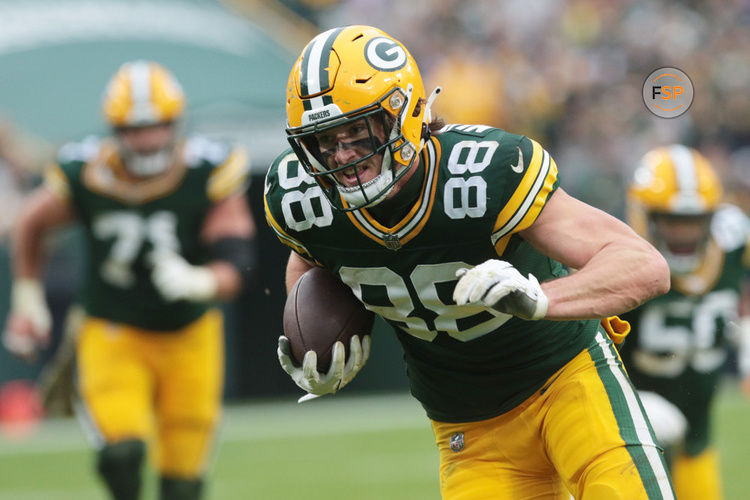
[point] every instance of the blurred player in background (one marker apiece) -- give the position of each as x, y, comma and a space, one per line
524, 388
168, 232
677, 352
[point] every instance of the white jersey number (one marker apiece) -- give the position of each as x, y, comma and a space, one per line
129, 231
305, 206
467, 196
687, 330
396, 304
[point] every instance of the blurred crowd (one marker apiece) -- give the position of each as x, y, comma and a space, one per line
570, 73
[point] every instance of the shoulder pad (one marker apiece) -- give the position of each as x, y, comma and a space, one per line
475, 130
81, 151
272, 175
229, 177
730, 227
56, 181
529, 175
199, 150
285, 173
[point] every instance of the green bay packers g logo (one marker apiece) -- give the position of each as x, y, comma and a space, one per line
385, 54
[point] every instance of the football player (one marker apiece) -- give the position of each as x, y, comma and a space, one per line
678, 348
168, 233
458, 236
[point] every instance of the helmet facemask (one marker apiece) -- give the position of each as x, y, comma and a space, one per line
681, 239
369, 122
150, 161
671, 202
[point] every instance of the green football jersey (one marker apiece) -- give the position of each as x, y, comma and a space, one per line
481, 186
679, 341
124, 223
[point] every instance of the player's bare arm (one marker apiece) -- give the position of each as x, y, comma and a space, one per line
296, 267
43, 211
227, 232
29, 322
616, 269
228, 219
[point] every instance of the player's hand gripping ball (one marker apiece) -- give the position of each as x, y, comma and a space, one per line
320, 311
321, 318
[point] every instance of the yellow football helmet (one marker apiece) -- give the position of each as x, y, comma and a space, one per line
143, 94
670, 202
347, 74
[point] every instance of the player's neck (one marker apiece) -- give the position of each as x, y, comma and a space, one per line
390, 211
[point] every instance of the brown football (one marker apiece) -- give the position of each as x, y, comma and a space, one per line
321, 310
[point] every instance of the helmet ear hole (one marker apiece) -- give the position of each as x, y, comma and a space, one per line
418, 107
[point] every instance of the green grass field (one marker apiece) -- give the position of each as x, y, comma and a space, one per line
346, 447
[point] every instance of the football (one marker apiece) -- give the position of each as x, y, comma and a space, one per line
321, 310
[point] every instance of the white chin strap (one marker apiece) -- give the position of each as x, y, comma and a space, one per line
378, 186
354, 195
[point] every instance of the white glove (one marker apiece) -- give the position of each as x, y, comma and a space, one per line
29, 323
309, 379
497, 284
177, 279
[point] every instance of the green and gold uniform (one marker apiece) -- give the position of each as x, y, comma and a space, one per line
679, 344
467, 365
140, 356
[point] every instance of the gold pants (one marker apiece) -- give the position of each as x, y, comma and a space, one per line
159, 387
584, 432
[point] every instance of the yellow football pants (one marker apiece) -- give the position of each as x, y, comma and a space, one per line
160, 387
583, 432
697, 478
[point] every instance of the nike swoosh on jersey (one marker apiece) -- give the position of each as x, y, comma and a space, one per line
518, 168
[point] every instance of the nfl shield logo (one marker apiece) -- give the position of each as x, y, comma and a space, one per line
457, 442
391, 241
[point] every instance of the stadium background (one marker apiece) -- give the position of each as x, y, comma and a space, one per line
566, 72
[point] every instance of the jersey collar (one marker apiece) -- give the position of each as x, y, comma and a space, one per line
106, 176
407, 228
